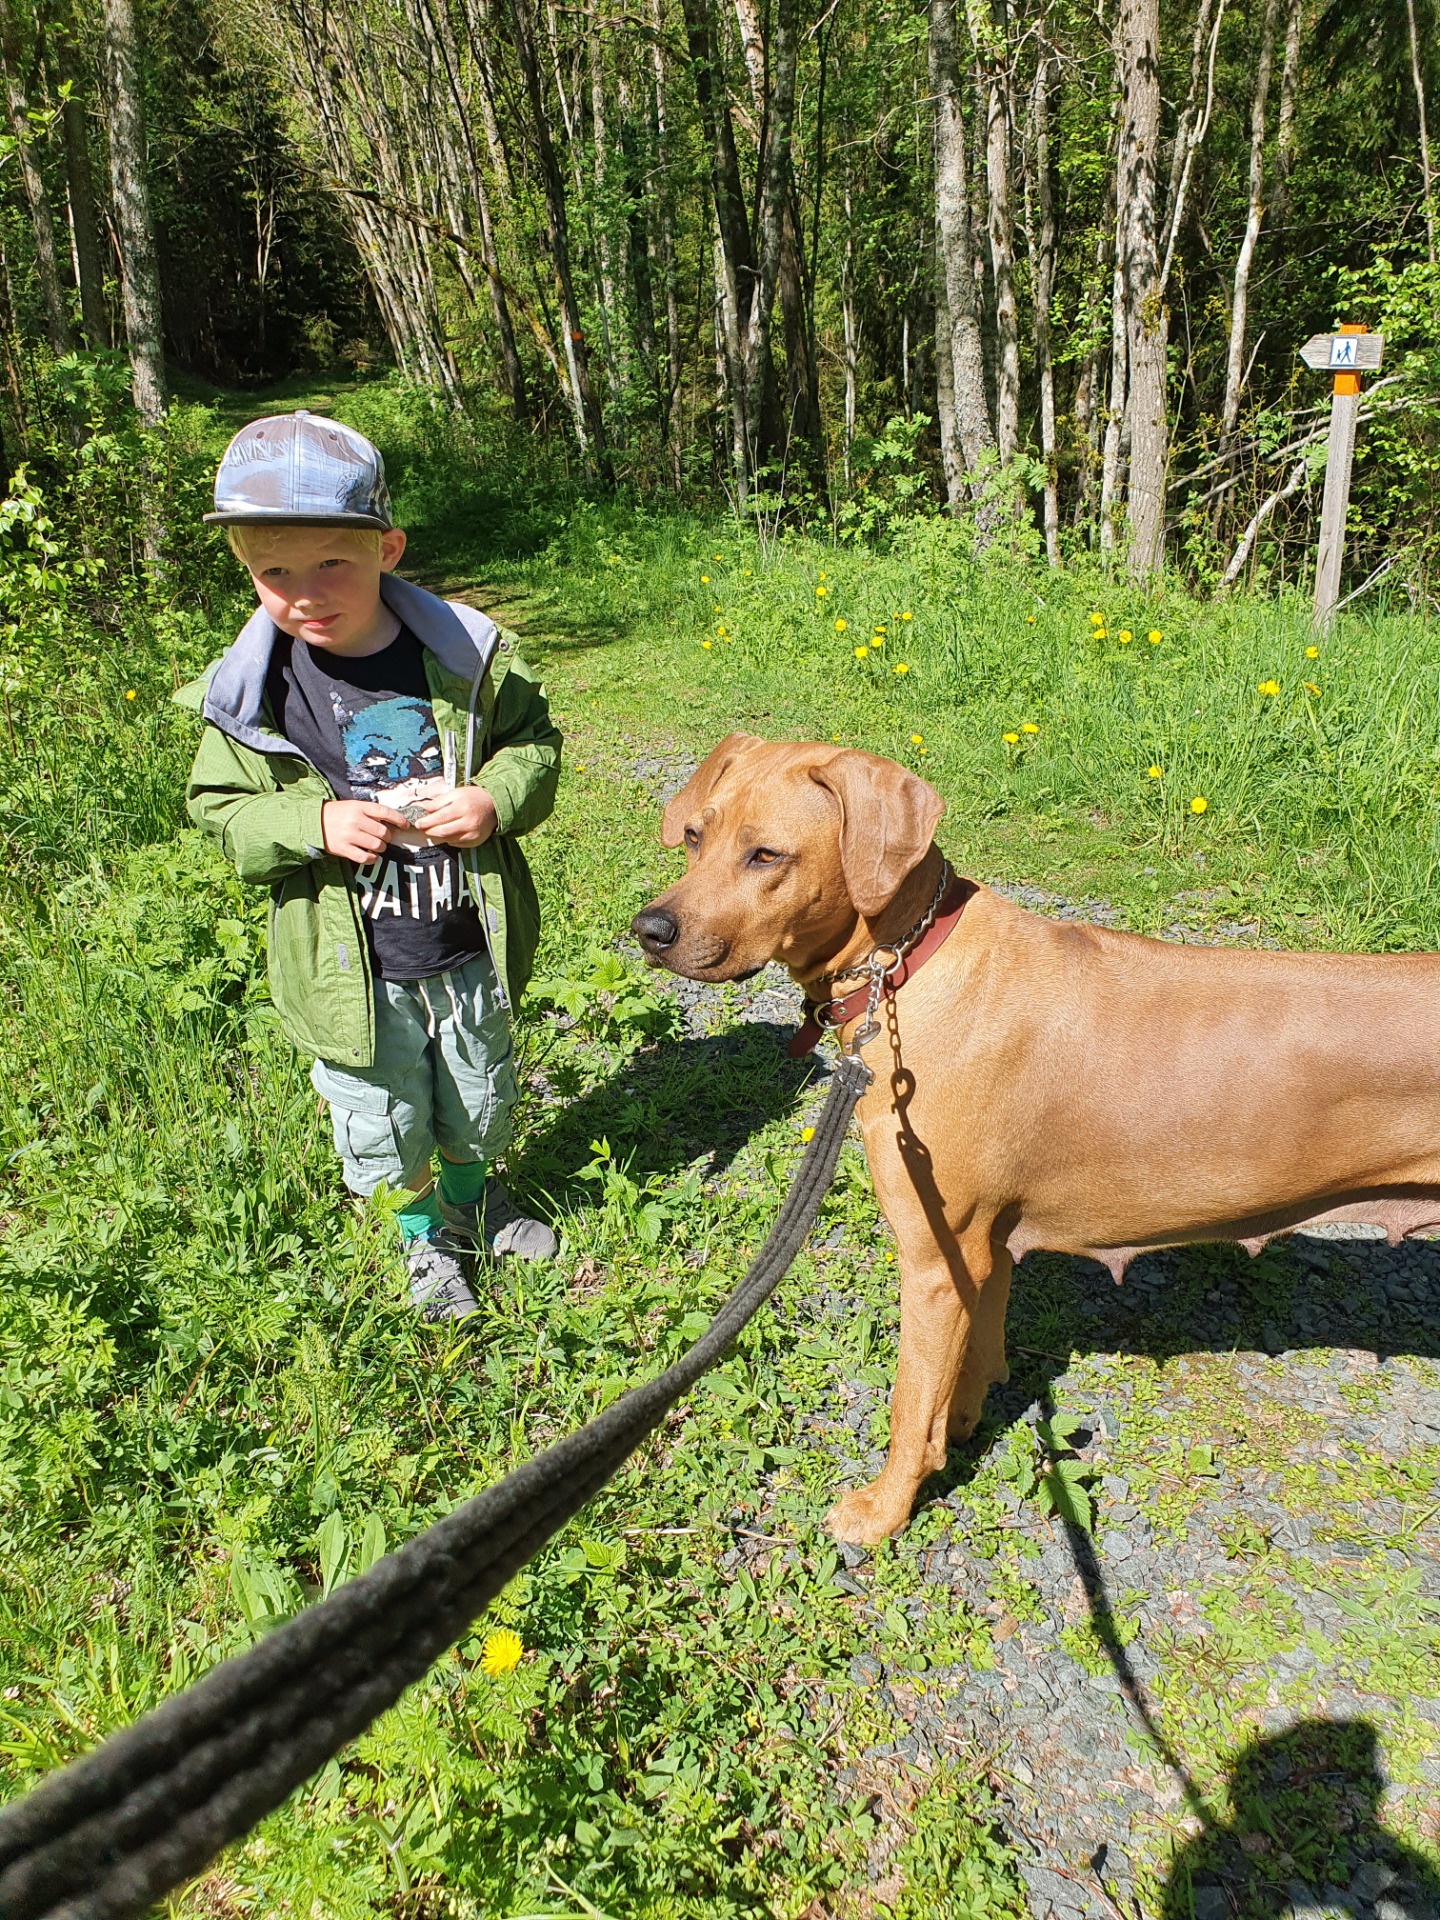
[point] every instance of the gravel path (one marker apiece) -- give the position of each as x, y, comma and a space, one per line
1277, 1596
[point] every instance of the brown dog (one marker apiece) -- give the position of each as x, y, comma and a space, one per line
1041, 1084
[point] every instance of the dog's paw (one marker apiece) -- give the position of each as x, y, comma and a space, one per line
868, 1515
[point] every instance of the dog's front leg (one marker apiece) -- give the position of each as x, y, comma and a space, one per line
952, 1345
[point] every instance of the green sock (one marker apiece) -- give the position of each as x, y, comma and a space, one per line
461, 1181
419, 1219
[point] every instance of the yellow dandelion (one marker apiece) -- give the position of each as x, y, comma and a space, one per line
1100, 633
839, 626
901, 668
1029, 619
1199, 804
835, 739
823, 574
717, 556
501, 1652
1152, 773
1029, 726
129, 693
819, 593
877, 639
1011, 739
905, 616
1097, 619
862, 653
706, 644
917, 740
580, 767
1310, 686
720, 632
717, 609
1269, 688
749, 573
1312, 653
704, 579
1125, 636
1154, 636
879, 626
807, 1134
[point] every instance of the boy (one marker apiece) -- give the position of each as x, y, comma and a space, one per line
371, 754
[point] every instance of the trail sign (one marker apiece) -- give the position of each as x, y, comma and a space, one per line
1343, 352
1347, 354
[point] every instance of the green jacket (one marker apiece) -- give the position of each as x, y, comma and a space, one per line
259, 799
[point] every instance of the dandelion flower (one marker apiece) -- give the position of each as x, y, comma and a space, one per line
1097, 619
1153, 772
879, 626
901, 667
917, 740
877, 639
819, 593
862, 653
580, 768
1029, 726
1100, 633
719, 609
1125, 636
720, 632
1310, 686
807, 1134
129, 693
706, 644
835, 739
823, 574
905, 616
1154, 636
1199, 804
1011, 739
839, 626
501, 1652
1029, 619
704, 579
749, 573
717, 556
1268, 688
1312, 653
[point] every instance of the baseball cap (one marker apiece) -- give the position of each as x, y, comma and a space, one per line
303, 469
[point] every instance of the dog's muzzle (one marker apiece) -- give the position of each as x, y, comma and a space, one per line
655, 929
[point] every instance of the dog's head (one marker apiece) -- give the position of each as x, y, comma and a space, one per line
786, 848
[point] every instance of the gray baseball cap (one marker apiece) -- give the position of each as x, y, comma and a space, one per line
300, 468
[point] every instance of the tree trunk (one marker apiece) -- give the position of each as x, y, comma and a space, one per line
955, 257
612, 317
1001, 226
80, 186
1417, 73
1285, 129
130, 201
1138, 71
1044, 257
441, 31
669, 386
589, 421
1119, 390
1193, 125
1240, 296
47, 266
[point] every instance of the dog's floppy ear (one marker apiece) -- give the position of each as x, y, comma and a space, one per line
699, 786
888, 818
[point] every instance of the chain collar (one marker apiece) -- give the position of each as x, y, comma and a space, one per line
877, 967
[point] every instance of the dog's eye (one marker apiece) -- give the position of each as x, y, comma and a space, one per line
692, 838
763, 857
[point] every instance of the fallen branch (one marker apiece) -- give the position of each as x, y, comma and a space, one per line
1262, 514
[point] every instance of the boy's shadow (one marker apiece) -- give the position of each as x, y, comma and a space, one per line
1291, 1795
671, 1106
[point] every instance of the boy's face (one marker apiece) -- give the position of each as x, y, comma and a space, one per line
322, 584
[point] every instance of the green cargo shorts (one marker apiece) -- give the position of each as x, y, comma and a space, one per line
444, 1076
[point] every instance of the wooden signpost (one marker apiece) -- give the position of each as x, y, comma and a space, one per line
1347, 354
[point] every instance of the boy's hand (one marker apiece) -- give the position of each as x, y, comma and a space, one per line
464, 818
358, 830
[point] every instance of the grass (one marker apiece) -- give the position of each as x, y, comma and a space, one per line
213, 1402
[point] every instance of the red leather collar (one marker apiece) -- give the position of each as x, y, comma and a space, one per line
822, 1015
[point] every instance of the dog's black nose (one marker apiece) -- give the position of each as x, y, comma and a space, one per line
655, 929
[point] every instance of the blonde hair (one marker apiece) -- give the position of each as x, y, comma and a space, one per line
252, 542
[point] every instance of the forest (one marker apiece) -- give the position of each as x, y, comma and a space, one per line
1046, 263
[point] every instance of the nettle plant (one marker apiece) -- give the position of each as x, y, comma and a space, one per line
1041, 1465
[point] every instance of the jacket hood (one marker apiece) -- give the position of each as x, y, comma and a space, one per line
462, 639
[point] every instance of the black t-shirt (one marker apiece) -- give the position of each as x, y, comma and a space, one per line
368, 725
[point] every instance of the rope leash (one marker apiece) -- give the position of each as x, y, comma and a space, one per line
115, 1831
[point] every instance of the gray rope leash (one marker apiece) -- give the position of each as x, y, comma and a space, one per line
118, 1829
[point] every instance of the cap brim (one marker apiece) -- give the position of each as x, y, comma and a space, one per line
252, 517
